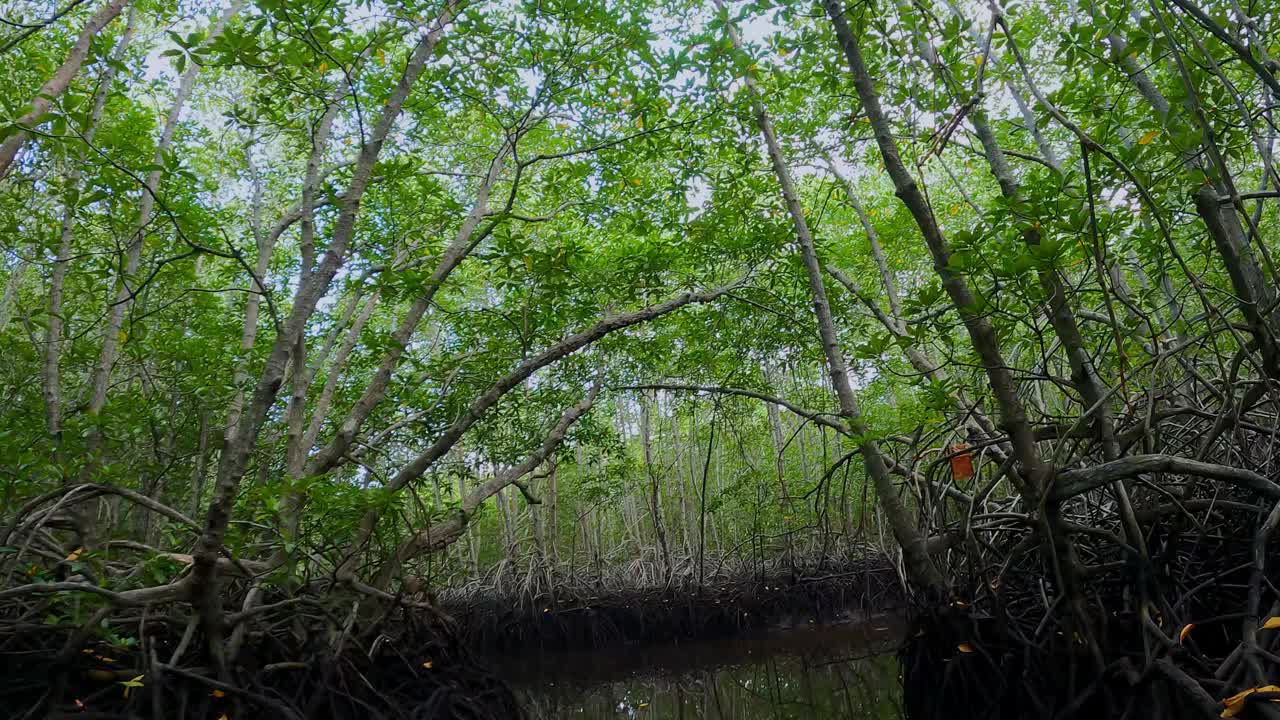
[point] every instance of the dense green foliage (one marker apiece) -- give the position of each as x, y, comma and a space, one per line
556, 164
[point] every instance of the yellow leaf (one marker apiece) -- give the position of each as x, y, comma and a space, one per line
382, 57
752, 67
635, 182
643, 705
640, 123
1234, 704
782, 52
1272, 623
136, 682
75, 555
1186, 630
965, 648
954, 210
1148, 137
324, 66
217, 693
429, 664
977, 60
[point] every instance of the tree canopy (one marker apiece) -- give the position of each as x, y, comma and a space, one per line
331, 293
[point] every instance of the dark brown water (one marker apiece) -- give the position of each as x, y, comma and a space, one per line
809, 672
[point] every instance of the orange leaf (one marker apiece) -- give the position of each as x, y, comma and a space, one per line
1272, 623
1148, 137
1186, 630
965, 648
961, 462
217, 693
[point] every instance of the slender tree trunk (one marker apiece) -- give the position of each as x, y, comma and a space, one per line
655, 496
57, 279
56, 85
687, 531
235, 455
1036, 474
920, 565
124, 292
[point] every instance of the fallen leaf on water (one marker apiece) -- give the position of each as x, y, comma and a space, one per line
965, 648
1234, 704
217, 693
1272, 623
1186, 630
428, 664
223, 716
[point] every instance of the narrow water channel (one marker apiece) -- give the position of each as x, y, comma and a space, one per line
809, 672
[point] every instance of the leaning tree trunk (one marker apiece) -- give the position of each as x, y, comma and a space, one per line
920, 565
1035, 474
56, 85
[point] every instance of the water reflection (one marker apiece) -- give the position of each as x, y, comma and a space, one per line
818, 673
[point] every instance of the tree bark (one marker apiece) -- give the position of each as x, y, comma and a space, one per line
56, 85
920, 565
57, 279
235, 455
442, 534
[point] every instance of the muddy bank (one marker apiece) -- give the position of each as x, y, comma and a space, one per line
587, 618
